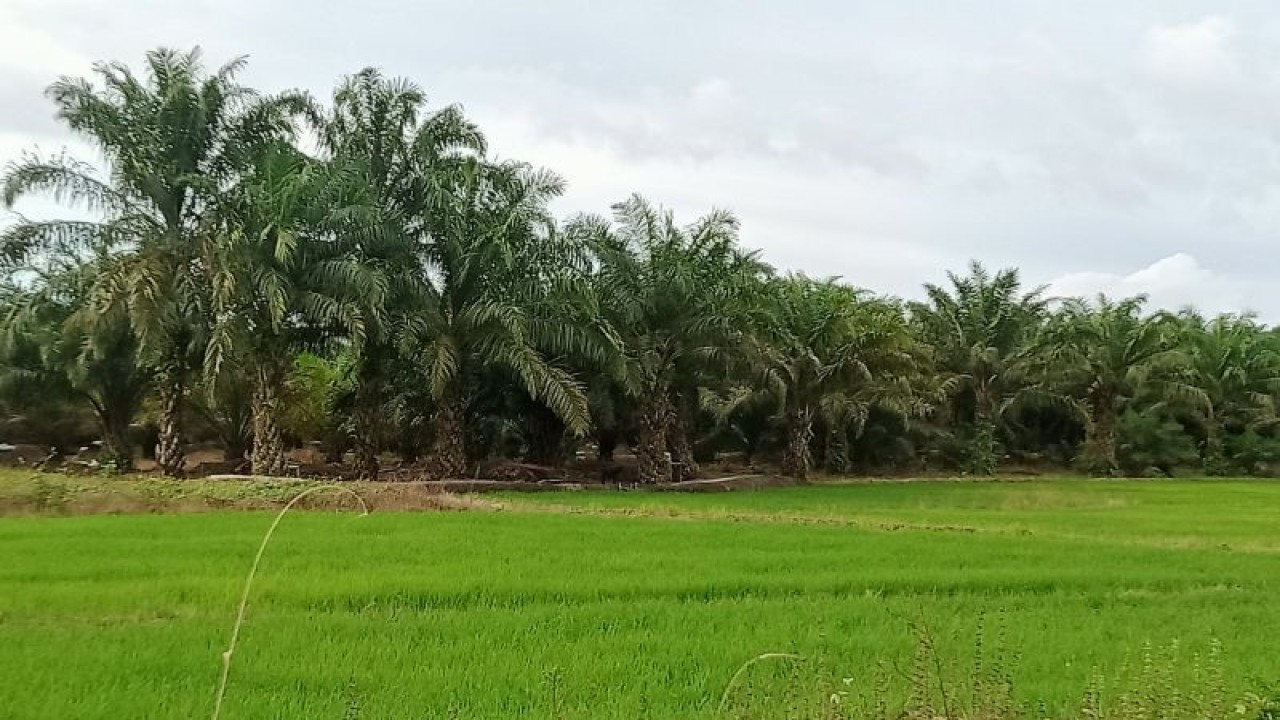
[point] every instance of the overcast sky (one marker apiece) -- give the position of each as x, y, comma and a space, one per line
1100, 145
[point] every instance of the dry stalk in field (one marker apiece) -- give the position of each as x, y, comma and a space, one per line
248, 584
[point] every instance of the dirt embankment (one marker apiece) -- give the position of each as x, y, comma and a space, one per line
40, 493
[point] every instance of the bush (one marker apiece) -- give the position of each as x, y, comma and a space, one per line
1254, 453
1152, 443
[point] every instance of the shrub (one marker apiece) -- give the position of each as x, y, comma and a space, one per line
1150, 443
1254, 453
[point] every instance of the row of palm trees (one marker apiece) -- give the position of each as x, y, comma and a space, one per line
272, 268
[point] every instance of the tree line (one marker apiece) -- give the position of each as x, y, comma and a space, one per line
271, 268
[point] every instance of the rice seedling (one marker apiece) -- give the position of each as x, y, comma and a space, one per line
599, 614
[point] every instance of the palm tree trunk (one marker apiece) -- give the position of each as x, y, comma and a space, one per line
365, 456
545, 437
267, 458
795, 456
448, 447
982, 446
1214, 454
651, 448
1106, 440
366, 420
683, 464
120, 457
407, 448
838, 449
170, 457
117, 450
606, 443
333, 450
1101, 443
364, 440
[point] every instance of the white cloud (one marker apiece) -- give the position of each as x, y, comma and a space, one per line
1170, 283
714, 95
37, 53
30, 58
1198, 53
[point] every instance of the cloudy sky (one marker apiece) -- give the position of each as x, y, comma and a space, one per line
1122, 146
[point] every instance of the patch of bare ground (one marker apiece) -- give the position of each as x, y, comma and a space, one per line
43, 493
52, 494
732, 482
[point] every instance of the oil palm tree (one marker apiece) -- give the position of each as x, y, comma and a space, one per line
826, 349
1234, 371
172, 140
223, 404
673, 294
379, 130
280, 281
1098, 357
981, 331
53, 343
498, 298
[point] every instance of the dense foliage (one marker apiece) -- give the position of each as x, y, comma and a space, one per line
267, 270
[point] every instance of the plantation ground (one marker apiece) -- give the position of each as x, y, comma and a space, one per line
628, 605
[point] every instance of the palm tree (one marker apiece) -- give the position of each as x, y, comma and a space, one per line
1234, 369
744, 417
831, 351
981, 331
223, 404
499, 294
279, 279
172, 141
674, 295
1098, 357
317, 394
54, 343
379, 131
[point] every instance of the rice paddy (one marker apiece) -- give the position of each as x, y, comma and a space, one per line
633, 605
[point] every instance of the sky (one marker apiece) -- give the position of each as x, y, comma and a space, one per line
1117, 146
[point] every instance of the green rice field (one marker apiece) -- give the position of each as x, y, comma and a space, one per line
636, 605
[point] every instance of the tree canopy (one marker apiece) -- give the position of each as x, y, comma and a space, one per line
265, 271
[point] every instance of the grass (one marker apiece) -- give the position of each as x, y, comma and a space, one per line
1210, 514
628, 605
